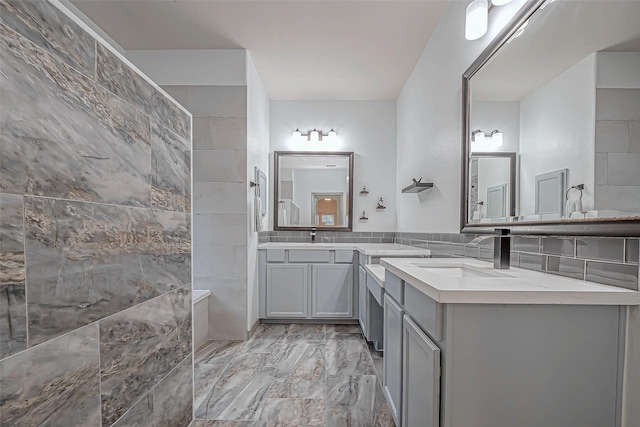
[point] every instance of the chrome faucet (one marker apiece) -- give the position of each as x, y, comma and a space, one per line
501, 248
313, 234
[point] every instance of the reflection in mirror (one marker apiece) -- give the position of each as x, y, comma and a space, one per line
313, 190
565, 95
492, 187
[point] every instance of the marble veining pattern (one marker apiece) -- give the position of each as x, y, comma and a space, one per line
51, 30
55, 381
170, 170
96, 260
290, 375
139, 346
13, 308
65, 136
116, 76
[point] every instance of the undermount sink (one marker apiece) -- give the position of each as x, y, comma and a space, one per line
457, 271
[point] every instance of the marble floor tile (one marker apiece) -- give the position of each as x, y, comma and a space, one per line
204, 377
335, 330
218, 352
292, 375
356, 401
348, 356
294, 412
307, 332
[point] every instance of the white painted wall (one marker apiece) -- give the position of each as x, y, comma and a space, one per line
429, 122
368, 128
557, 131
257, 156
215, 67
492, 172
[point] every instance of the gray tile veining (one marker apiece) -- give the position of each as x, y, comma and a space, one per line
50, 29
120, 79
281, 378
170, 170
70, 110
172, 397
139, 346
89, 269
58, 380
13, 308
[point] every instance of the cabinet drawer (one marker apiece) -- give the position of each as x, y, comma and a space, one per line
394, 286
375, 289
309, 256
424, 311
275, 255
344, 257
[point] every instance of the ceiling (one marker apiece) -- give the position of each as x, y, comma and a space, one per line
556, 38
302, 49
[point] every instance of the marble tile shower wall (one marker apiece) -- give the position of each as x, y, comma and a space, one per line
95, 241
219, 202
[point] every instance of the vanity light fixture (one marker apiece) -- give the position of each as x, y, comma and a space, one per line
314, 135
476, 19
500, 2
483, 142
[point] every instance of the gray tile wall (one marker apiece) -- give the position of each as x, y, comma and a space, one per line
220, 203
617, 140
606, 260
95, 241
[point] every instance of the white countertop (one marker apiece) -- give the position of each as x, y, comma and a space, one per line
370, 249
377, 272
514, 286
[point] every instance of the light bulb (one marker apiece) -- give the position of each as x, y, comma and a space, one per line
496, 138
477, 136
477, 17
297, 134
314, 136
332, 134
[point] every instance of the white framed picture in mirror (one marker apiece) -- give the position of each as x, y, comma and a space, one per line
560, 87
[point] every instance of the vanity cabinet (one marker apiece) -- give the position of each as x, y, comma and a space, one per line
420, 377
307, 284
489, 364
332, 291
286, 292
392, 361
362, 297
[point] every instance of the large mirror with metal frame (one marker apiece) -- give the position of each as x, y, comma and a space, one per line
313, 190
560, 88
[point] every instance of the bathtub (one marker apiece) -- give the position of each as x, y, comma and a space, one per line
200, 317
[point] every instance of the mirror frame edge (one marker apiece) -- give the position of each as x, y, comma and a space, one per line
615, 228
276, 198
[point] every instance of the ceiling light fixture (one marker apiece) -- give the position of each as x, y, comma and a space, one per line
477, 17
500, 2
314, 135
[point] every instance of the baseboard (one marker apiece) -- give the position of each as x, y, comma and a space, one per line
253, 328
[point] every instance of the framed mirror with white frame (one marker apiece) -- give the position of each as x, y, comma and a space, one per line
313, 190
559, 87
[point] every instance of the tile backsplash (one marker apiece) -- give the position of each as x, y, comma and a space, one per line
606, 260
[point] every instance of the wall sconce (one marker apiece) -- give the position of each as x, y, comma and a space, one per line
482, 142
477, 18
314, 135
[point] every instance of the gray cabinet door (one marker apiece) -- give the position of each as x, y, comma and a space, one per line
286, 290
392, 362
420, 378
362, 292
332, 291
